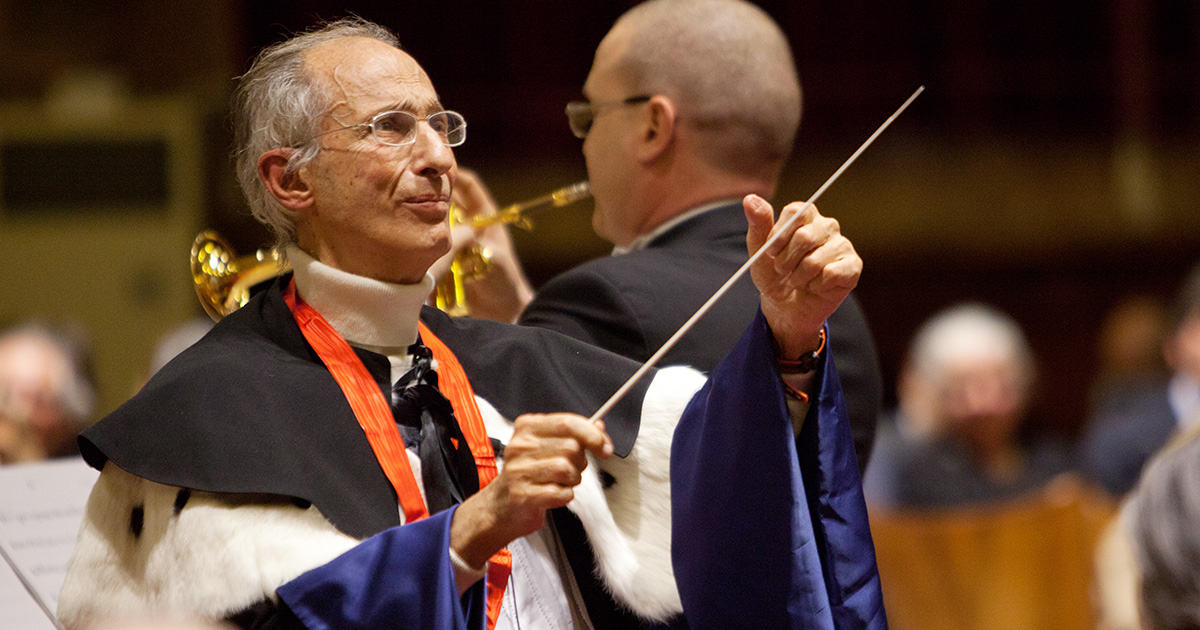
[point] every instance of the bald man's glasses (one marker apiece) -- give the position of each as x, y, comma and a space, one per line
581, 114
400, 128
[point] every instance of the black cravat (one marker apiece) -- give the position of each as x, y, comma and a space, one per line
427, 422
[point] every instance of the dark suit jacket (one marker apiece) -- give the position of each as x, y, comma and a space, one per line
1119, 442
632, 303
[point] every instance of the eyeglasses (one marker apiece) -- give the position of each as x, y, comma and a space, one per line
581, 114
398, 128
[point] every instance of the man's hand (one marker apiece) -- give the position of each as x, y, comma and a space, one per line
543, 463
804, 275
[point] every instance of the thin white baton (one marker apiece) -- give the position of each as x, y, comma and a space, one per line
670, 343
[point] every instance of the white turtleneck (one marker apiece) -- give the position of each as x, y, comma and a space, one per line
370, 314
382, 317
377, 316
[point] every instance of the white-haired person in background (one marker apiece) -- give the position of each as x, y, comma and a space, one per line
46, 392
964, 394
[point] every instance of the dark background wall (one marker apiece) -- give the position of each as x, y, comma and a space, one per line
1050, 169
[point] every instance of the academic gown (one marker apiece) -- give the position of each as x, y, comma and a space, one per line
226, 427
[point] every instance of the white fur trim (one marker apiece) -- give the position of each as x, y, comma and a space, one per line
216, 557
496, 425
629, 524
212, 559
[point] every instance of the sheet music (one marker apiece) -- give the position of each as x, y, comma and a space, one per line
41, 507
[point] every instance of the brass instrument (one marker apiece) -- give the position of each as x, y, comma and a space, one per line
223, 281
475, 261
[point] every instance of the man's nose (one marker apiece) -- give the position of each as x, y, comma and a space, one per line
431, 156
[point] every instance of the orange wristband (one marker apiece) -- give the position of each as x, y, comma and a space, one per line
806, 363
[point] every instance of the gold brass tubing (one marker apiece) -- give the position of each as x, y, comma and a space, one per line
515, 213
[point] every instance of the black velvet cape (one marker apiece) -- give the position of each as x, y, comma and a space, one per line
250, 408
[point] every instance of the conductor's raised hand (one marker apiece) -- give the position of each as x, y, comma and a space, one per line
543, 462
803, 275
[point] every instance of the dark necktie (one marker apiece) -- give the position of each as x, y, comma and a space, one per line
427, 423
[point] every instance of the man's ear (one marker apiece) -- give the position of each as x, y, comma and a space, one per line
659, 130
289, 189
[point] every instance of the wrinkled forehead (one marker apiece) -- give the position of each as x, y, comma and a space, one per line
363, 76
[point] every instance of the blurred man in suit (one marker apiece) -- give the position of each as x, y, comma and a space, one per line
1128, 432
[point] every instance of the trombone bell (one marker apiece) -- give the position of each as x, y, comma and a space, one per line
223, 282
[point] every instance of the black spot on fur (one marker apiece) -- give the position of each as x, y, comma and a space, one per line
181, 500
137, 518
606, 480
301, 503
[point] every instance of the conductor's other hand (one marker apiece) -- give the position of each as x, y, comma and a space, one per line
543, 462
803, 276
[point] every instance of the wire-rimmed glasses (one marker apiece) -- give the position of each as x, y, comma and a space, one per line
397, 128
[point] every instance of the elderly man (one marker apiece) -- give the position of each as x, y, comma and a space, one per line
261, 476
691, 107
46, 392
964, 394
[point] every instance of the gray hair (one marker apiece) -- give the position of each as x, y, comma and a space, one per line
730, 69
1165, 510
277, 104
971, 330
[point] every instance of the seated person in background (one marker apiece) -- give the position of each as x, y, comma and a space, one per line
1129, 352
46, 392
1162, 514
963, 395
1117, 443
690, 107
324, 457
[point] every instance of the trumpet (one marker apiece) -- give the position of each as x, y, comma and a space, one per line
223, 280
475, 261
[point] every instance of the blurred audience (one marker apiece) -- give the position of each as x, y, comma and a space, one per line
47, 393
1129, 351
1163, 513
956, 437
1128, 430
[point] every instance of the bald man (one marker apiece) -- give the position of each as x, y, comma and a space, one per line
690, 107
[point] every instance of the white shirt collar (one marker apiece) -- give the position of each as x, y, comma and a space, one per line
644, 240
371, 314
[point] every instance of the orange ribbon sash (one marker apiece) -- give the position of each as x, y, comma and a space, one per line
374, 415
